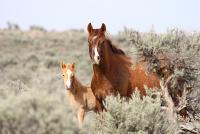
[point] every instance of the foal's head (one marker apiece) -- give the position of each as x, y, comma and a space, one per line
96, 40
68, 71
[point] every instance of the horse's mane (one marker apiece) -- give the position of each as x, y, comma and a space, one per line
114, 49
122, 59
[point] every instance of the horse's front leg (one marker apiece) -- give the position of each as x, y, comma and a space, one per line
99, 107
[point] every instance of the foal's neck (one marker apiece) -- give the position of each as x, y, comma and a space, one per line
76, 86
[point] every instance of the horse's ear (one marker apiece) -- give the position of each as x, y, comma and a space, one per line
103, 29
73, 65
89, 28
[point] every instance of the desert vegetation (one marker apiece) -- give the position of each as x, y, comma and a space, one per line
33, 98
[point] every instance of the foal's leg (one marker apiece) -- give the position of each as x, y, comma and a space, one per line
80, 115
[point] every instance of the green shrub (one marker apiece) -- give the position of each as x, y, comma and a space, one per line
134, 116
28, 111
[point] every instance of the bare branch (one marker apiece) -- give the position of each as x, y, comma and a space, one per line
170, 109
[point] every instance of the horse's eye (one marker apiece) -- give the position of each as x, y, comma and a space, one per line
63, 75
101, 45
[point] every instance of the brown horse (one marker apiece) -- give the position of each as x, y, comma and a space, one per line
112, 69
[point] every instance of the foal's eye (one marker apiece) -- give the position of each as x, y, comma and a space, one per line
63, 75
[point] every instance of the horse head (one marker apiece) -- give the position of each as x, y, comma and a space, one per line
96, 40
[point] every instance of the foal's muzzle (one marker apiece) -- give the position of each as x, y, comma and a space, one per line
68, 86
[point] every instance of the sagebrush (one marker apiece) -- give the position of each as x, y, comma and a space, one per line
33, 97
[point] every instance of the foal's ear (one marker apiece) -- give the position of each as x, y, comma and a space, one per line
89, 28
62, 65
102, 29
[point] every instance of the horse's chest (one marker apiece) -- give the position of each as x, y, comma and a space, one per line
101, 83
103, 86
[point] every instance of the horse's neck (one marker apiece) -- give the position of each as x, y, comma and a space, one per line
98, 71
112, 62
112, 65
108, 63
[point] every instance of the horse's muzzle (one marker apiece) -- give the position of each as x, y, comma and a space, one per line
92, 61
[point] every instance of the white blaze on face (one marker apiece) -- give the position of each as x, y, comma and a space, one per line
96, 56
69, 81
